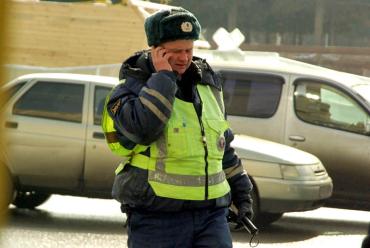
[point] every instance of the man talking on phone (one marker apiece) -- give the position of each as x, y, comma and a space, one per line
166, 119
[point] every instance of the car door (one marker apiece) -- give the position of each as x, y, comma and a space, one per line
328, 122
100, 161
254, 103
45, 133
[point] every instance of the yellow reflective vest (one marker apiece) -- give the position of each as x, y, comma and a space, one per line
186, 161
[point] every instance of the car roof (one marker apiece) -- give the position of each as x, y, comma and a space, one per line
71, 76
272, 62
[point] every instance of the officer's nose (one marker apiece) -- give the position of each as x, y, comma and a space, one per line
183, 56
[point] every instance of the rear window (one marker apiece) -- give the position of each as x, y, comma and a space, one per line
251, 95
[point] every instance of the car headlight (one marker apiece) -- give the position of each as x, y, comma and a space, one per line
301, 172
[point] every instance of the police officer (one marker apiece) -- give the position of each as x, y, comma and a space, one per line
166, 118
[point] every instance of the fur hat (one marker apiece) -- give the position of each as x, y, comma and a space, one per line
170, 25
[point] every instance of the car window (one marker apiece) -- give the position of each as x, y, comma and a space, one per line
51, 100
251, 95
324, 105
99, 101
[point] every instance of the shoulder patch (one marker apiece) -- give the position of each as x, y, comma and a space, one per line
115, 106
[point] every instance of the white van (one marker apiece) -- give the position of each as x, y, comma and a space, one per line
318, 110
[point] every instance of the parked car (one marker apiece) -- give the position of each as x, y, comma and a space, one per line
55, 145
315, 109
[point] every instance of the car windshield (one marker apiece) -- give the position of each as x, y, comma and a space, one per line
363, 90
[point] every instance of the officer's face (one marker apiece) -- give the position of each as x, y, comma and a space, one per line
181, 52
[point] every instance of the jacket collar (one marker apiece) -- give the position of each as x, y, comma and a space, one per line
140, 67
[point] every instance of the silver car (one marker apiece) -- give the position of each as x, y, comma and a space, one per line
55, 145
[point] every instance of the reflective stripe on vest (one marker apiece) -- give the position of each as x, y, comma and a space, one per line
176, 168
182, 180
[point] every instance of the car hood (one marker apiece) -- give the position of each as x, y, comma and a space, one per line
252, 148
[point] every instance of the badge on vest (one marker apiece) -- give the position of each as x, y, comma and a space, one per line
221, 142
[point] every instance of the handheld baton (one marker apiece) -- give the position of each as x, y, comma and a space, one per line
246, 223
249, 226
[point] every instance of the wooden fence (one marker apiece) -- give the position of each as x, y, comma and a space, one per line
72, 34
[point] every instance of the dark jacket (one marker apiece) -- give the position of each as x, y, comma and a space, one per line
137, 124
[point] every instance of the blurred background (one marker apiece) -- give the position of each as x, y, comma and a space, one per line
70, 33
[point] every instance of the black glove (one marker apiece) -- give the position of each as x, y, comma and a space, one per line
244, 210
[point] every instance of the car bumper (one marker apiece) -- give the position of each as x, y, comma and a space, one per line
279, 196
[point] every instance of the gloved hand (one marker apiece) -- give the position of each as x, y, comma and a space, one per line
244, 210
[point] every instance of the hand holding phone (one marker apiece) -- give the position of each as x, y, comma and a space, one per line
161, 58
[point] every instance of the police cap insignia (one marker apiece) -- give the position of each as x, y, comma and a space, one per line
186, 27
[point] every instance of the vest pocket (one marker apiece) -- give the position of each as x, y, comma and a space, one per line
183, 141
215, 138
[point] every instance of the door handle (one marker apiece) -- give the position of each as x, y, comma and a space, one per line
98, 135
11, 124
297, 138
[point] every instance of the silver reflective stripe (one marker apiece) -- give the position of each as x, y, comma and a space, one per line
185, 180
154, 109
159, 96
234, 170
162, 153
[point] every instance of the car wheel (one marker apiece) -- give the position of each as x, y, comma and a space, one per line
6, 183
30, 199
255, 203
265, 219
261, 219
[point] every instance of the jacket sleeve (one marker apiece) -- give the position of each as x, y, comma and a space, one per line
141, 110
237, 177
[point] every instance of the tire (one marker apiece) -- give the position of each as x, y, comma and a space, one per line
265, 219
255, 203
261, 219
30, 199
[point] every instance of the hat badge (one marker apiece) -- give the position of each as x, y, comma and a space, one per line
186, 27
